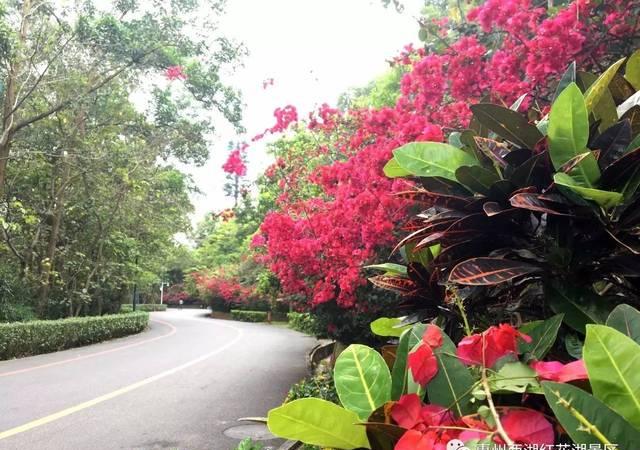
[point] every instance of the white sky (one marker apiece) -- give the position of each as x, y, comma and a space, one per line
314, 50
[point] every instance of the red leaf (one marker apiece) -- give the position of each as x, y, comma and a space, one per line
432, 336
528, 427
487, 348
406, 411
423, 364
562, 373
415, 440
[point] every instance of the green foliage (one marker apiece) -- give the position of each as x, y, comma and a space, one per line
543, 334
362, 380
302, 322
318, 422
612, 361
386, 326
567, 400
148, 307
249, 444
432, 159
318, 386
612, 413
248, 316
452, 385
44, 336
521, 225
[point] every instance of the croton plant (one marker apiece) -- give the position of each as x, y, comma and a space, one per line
527, 226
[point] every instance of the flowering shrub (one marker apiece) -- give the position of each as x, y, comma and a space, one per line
317, 243
470, 399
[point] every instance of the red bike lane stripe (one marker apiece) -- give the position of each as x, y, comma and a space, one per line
92, 355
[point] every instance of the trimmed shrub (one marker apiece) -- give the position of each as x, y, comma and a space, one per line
148, 307
248, 316
45, 336
302, 322
318, 386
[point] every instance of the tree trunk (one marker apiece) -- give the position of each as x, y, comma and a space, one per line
10, 99
56, 222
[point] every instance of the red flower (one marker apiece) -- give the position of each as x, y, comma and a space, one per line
487, 348
528, 427
415, 440
175, 73
432, 336
423, 364
562, 373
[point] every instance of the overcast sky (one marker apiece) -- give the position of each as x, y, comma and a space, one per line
314, 50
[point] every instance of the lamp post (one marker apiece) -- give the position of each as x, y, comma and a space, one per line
162, 285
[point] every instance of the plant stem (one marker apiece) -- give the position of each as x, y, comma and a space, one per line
458, 300
590, 428
499, 428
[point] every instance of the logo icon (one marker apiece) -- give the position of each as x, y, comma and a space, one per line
456, 444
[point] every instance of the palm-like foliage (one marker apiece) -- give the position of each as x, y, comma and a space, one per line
522, 216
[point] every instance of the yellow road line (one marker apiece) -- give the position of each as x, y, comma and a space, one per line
118, 392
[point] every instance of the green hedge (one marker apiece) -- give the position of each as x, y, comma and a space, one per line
45, 336
248, 316
149, 307
302, 322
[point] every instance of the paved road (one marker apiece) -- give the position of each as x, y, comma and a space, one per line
178, 385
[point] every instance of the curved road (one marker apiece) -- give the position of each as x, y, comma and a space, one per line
178, 385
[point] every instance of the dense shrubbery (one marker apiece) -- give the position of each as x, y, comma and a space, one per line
302, 322
148, 307
318, 386
44, 336
248, 316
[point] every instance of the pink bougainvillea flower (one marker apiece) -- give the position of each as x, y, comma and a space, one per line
175, 73
432, 336
423, 364
562, 373
528, 427
487, 348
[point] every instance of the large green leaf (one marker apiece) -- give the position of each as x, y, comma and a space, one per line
476, 178
387, 326
579, 306
632, 70
389, 268
362, 380
606, 199
432, 159
543, 335
514, 377
408, 340
625, 319
597, 89
393, 170
613, 364
568, 77
567, 400
568, 133
453, 384
318, 422
508, 124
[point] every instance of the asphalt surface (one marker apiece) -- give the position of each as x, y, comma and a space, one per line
178, 385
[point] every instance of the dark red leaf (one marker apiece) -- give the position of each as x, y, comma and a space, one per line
534, 202
489, 271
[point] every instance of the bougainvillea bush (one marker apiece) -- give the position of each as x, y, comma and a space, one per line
319, 242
